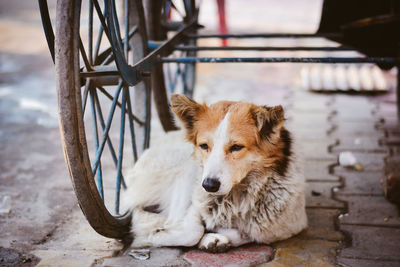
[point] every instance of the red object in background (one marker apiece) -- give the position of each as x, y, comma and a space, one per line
223, 29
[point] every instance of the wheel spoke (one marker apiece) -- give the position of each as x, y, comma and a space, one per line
109, 142
106, 57
99, 151
85, 95
96, 143
187, 7
167, 10
147, 117
177, 10
120, 151
132, 128
97, 47
131, 116
84, 56
183, 76
170, 78
99, 38
176, 77
101, 18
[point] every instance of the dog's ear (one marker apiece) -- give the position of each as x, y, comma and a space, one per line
269, 120
186, 110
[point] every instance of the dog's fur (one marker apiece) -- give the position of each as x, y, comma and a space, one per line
259, 193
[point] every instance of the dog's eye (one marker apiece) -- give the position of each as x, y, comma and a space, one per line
235, 148
204, 146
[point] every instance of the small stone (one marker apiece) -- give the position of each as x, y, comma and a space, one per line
358, 167
386, 219
5, 205
315, 193
347, 159
140, 254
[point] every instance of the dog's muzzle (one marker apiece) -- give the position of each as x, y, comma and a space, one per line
211, 184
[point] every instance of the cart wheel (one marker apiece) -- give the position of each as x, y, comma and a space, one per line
164, 17
94, 104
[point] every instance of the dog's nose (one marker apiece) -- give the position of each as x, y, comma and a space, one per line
211, 184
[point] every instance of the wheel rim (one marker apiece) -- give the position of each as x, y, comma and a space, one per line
94, 144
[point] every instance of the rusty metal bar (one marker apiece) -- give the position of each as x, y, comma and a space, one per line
268, 35
188, 60
264, 48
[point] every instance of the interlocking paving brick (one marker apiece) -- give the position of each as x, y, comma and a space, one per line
315, 120
317, 123
303, 252
394, 150
361, 183
318, 151
356, 102
388, 123
346, 129
312, 128
390, 130
248, 255
370, 210
57, 257
303, 95
319, 195
369, 242
349, 113
369, 162
321, 225
315, 170
310, 106
393, 140
386, 110
303, 133
367, 263
158, 257
359, 144
350, 116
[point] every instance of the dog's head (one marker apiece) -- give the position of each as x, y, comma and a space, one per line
233, 140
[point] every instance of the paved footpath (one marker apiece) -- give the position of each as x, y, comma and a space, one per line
349, 219
371, 223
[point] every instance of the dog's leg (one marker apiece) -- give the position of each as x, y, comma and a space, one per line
143, 225
214, 242
234, 236
222, 240
186, 233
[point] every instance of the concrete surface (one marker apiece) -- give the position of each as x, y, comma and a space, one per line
350, 223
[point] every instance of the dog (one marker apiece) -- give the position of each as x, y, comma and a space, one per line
234, 180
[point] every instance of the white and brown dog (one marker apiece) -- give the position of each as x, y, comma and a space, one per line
233, 181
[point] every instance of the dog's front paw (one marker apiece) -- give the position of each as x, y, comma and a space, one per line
214, 243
